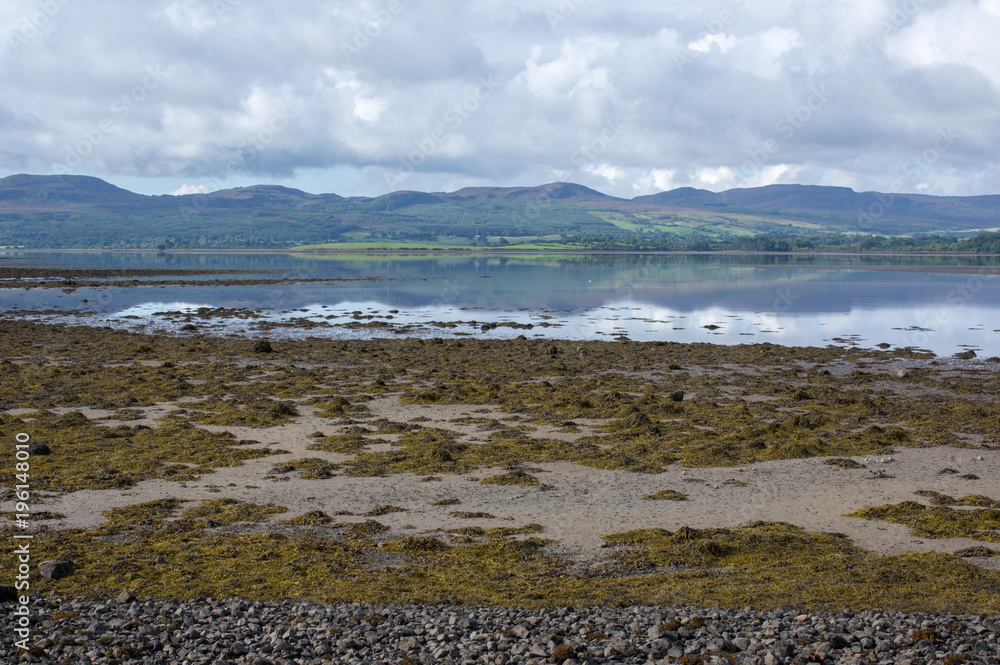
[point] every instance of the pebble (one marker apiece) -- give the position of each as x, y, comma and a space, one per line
160, 632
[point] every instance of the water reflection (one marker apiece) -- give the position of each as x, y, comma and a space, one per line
726, 299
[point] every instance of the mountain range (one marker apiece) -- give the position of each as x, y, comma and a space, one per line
80, 211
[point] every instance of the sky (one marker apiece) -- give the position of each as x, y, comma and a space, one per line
629, 98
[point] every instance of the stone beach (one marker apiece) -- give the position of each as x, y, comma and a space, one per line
129, 630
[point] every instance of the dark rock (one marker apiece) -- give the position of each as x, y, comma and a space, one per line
39, 448
55, 569
262, 346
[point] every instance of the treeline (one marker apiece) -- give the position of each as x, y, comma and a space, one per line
982, 243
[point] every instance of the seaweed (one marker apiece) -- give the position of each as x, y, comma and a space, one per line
940, 521
666, 495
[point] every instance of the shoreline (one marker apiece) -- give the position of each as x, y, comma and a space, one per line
544, 450
503, 251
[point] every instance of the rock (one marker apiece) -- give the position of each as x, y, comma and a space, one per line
55, 569
262, 346
39, 448
125, 597
902, 374
624, 647
965, 355
838, 642
7, 593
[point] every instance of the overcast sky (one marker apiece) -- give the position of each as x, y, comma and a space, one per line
630, 98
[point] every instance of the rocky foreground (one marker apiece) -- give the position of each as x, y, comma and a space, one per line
127, 630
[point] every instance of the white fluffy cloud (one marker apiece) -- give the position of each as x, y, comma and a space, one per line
628, 98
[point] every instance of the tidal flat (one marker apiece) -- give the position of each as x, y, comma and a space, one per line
521, 472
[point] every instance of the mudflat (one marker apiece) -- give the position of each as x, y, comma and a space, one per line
506, 472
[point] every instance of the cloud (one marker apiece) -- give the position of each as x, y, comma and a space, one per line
364, 92
184, 190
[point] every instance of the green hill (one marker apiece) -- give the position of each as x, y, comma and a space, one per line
78, 211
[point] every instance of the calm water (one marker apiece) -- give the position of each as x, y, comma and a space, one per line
799, 300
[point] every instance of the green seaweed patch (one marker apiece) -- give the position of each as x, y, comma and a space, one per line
972, 500
417, 545
362, 530
425, 451
472, 515
843, 415
512, 477
666, 495
259, 412
385, 509
977, 551
348, 443
777, 564
938, 521
386, 426
149, 513
497, 531
220, 512
310, 518
844, 463
335, 407
37, 516
85, 455
766, 566
446, 502
310, 468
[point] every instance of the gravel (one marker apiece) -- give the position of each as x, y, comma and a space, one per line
128, 630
